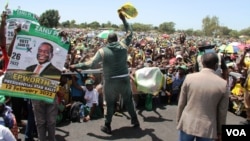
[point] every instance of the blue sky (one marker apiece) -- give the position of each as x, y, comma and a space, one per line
186, 14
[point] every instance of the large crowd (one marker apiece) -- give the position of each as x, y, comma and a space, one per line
175, 54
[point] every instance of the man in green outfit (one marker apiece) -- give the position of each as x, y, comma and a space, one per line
115, 73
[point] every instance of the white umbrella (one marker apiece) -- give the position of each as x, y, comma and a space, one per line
104, 34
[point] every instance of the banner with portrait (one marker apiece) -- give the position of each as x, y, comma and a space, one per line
35, 65
15, 17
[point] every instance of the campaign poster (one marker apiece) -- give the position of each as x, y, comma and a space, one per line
15, 17
35, 66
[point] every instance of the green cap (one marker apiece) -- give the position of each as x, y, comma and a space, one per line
184, 67
89, 81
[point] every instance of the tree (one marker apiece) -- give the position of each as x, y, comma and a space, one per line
142, 27
189, 31
94, 25
245, 31
210, 25
83, 25
73, 23
138, 27
167, 27
234, 33
197, 33
50, 18
106, 25
66, 24
114, 26
224, 31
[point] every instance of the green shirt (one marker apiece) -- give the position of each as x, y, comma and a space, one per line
113, 56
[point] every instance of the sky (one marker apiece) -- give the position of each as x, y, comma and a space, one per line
186, 14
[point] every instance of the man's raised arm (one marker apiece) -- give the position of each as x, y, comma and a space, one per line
128, 29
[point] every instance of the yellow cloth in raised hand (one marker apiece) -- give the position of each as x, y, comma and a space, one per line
128, 10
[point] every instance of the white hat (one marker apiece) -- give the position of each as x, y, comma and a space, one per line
179, 56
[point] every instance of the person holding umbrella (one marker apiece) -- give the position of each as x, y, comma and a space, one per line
115, 72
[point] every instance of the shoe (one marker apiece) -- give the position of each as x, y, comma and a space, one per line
86, 119
135, 123
106, 129
239, 109
118, 114
246, 122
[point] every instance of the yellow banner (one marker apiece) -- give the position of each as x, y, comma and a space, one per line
36, 86
33, 91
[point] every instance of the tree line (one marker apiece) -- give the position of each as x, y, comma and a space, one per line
210, 26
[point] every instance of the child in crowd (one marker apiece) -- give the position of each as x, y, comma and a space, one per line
91, 97
237, 97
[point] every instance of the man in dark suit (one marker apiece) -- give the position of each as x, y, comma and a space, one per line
44, 66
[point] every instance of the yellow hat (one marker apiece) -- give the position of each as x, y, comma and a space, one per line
128, 10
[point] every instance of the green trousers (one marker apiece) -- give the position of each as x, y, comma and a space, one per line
114, 87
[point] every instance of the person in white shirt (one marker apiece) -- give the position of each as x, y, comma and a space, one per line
6, 134
91, 98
